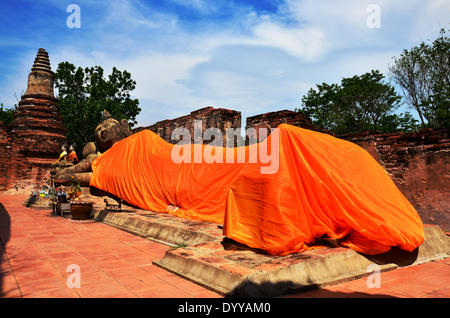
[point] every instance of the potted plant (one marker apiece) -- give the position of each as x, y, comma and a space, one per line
80, 210
75, 190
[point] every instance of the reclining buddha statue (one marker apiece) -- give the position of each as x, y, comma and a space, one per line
320, 186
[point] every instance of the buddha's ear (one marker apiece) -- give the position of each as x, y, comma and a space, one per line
124, 123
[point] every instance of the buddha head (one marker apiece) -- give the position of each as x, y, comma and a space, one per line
72, 147
110, 130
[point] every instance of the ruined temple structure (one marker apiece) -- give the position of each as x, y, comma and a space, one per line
274, 119
32, 142
222, 118
209, 117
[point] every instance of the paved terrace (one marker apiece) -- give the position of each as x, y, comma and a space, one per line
118, 260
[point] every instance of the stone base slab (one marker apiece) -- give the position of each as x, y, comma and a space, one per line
201, 254
236, 271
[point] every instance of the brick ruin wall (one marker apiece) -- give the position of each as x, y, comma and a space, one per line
16, 170
27, 154
274, 119
210, 117
418, 163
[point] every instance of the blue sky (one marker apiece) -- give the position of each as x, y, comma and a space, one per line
250, 56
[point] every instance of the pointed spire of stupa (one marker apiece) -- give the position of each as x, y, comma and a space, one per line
40, 80
42, 62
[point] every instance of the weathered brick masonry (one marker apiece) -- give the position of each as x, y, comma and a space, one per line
210, 117
274, 119
32, 142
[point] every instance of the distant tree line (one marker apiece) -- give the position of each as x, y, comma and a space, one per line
369, 103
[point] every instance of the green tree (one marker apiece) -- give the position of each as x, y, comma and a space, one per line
404, 122
83, 95
7, 115
423, 73
320, 105
359, 103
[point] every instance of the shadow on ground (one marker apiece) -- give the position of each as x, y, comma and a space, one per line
249, 289
5, 232
396, 256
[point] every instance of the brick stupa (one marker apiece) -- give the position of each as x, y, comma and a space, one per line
37, 131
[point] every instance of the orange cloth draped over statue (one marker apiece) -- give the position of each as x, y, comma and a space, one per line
319, 185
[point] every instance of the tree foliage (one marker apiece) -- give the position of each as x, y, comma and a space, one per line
423, 73
7, 115
83, 95
359, 103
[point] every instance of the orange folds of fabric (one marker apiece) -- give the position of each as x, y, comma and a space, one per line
277, 196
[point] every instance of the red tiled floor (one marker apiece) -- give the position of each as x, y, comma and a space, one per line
53, 293
104, 289
112, 263
28, 287
162, 291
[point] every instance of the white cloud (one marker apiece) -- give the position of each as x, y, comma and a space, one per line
307, 43
249, 78
344, 22
201, 6
252, 61
16, 82
159, 76
135, 15
434, 15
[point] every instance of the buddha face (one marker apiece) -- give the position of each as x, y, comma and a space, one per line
109, 132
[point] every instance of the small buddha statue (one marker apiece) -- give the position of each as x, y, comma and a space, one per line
63, 154
72, 157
